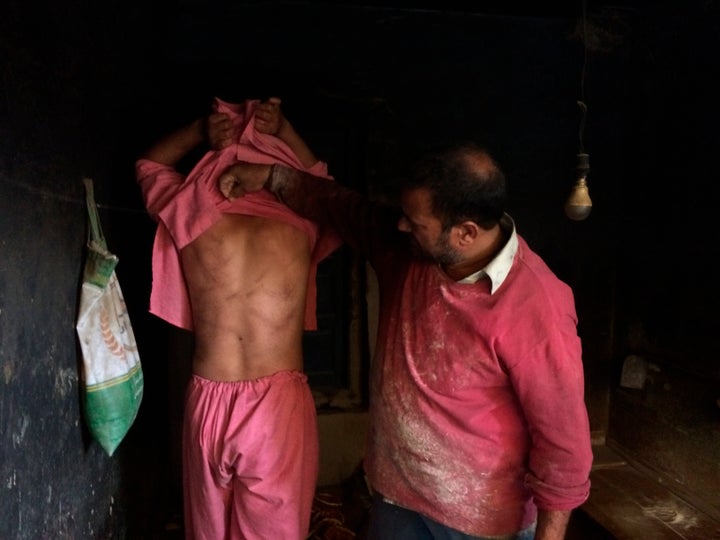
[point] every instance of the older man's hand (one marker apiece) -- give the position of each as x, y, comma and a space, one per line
242, 178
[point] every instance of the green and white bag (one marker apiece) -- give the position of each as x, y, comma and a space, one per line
111, 378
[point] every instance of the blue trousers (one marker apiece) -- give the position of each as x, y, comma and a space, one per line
391, 522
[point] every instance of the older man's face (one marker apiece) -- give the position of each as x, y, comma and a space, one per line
425, 229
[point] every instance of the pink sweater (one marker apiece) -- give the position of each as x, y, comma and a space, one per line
477, 407
187, 206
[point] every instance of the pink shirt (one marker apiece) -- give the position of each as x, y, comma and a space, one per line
477, 412
477, 396
187, 206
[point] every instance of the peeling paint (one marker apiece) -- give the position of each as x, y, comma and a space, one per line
64, 381
11, 481
19, 436
8, 372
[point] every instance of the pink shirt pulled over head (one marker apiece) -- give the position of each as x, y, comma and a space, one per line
185, 207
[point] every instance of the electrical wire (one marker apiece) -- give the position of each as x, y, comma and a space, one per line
45, 194
581, 101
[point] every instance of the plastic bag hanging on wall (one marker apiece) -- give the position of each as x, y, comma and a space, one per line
112, 377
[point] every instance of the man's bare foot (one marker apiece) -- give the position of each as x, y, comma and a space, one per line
242, 178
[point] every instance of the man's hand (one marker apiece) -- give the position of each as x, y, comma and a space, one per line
269, 118
242, 178
219, 130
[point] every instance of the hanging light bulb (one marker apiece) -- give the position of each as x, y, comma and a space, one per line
578, 204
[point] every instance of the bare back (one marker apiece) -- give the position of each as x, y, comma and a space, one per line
247, 279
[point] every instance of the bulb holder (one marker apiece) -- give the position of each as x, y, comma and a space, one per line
583, 163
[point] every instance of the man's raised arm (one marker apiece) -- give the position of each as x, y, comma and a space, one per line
215, 129
329, 204
299, 190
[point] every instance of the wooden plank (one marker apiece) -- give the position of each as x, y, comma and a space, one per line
606, 457
633, 506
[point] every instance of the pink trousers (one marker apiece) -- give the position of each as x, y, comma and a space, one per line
250, 458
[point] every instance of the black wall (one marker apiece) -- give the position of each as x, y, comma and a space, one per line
84, 88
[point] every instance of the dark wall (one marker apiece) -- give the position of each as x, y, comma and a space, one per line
668, 297
64, 75
84, 90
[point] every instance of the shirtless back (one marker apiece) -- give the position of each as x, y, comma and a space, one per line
249, 431
247, 279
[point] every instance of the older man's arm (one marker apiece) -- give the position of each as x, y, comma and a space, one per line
552, 524
357, 220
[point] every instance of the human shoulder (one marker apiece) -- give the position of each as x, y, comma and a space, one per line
535, 280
